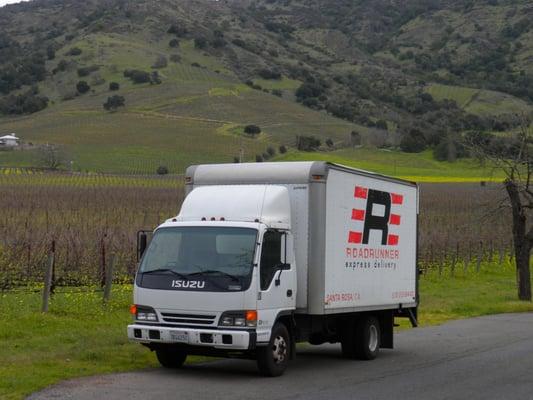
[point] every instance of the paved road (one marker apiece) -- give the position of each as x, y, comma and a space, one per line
482, 358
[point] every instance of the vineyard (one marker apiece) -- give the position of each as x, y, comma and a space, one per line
86, 219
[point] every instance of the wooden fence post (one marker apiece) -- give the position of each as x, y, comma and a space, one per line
48, 281
102, 261
109, 277
479, 256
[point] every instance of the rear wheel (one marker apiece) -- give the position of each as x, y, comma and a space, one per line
360, 338
272, 359
367, 342
171, 357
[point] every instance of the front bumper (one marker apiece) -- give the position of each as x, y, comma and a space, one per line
214, 338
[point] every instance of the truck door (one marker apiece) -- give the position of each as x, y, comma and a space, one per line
277, 280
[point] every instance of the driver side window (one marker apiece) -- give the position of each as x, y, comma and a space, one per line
270, 257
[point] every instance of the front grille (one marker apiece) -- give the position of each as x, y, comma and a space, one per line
188, 319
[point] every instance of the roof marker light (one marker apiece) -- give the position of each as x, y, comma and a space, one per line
222, 218
213, 219
204, 219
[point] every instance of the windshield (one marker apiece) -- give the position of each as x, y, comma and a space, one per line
199, 258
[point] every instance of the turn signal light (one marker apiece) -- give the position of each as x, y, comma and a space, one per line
133, 309
251, 315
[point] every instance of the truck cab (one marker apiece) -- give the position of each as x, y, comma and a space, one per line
215, 279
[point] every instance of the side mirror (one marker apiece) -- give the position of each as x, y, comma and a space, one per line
142, 243
283, 267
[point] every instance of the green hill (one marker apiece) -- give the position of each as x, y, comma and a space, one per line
206, 69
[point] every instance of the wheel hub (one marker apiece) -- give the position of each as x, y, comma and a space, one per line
372, 338
279, 349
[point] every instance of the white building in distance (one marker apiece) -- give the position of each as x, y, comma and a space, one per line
9, 141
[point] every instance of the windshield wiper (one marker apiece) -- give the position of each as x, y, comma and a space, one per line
183, 276
215, 271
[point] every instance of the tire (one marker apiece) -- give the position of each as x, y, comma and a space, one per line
272, 360
367, 338
171, 358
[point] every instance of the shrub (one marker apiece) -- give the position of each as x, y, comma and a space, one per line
114, 102
174, 43
82, 87
252, 130
265, 156
282, 149
329, 142
176, 58
177, 30
160, 62
218, 42
413, 142
307, 143
154, 78
85, 71
355, 138
137, 76
114, 86
162, 170
277, 92
50, 52
200, 42
271, 151
258, 158
75, 51
381, 124
268, 74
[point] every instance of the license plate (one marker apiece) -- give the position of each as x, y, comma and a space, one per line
182, 337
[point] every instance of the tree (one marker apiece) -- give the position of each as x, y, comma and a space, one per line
114, 86
162, 170
307, 143
252, 130
50, 52
200, 42
515, 160
75, 51
51, 156
114, 102
160, 62
282, 149
82, 87
355, 138
174, 43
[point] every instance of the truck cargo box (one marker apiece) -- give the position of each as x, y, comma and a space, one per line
355, 232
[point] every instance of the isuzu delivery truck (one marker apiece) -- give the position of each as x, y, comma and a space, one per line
265, 255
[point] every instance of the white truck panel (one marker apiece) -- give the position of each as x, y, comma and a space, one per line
379, 269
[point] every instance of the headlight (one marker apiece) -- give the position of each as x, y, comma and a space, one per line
239, 319
143, 313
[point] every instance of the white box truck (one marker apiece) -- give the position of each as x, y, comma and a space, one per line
265, 255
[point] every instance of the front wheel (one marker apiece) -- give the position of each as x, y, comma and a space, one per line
272, 359
171, 357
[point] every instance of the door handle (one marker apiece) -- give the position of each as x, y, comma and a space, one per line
289, 293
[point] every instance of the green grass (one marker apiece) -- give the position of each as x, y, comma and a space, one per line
80, 336
479, 101
468, 294
281, 84
419, 167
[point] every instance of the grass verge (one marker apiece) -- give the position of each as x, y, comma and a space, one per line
80, 336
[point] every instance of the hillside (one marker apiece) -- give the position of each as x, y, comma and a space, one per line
193, 74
